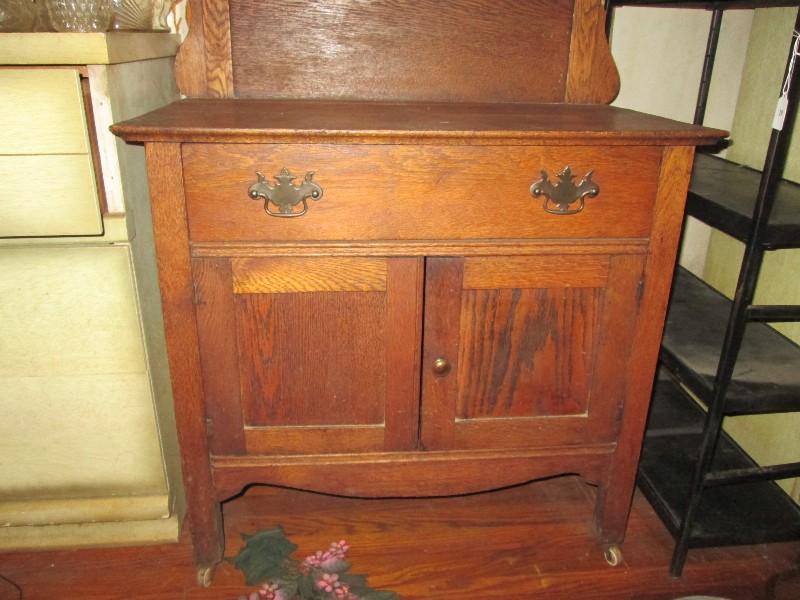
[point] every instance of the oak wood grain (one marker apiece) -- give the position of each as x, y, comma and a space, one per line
592, 76
461, 51
216, 328
323, 274
217, 48
480, 545
443, 284
360, 122
535, 271
312, 358
317, 335
409, 474
537, 363
404, 314
614, 498
492, 247
190, 61
175, 280
406, 192
310, 366
525, 352
402, 50
310, 439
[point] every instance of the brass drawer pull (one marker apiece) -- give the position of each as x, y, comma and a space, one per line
285, 194
559, 196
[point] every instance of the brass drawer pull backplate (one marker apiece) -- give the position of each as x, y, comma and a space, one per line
285, 195
560, 195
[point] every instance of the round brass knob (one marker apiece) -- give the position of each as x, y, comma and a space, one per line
441, 366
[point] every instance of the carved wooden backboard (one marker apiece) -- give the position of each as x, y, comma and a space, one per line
404, 50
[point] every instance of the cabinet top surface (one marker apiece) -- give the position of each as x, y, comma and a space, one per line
269, 121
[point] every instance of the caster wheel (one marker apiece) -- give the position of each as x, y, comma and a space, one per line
204, 576
613, 555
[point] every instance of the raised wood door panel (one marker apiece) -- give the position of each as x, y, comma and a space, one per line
538, 347
310, 355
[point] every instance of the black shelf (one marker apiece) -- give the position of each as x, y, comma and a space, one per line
747, 513
766, 378
723, 194
706, 489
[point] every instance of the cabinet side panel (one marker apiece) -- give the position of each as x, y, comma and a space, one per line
614, 496
164, 172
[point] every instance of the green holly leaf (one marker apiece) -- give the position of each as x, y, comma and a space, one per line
357, 583
265, 556
305, 587
288, 587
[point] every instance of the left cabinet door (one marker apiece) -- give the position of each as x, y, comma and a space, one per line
310, 355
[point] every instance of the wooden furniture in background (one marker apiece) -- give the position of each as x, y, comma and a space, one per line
427, 327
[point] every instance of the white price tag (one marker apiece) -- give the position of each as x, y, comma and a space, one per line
780, 113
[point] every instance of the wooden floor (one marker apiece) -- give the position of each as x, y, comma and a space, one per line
532, 541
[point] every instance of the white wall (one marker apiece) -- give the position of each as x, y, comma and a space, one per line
659, 54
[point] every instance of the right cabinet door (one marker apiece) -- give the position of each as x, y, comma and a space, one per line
526, 351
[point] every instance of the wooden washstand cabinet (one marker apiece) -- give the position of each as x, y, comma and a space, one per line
409, 254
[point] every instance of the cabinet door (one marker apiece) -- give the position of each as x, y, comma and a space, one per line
310, 355
526, 351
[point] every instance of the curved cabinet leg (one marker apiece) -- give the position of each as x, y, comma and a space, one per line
611, 512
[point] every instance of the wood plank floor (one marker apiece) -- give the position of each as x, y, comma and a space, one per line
532, 541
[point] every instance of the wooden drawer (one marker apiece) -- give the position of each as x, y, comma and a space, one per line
41, 112
415, 192
48, 195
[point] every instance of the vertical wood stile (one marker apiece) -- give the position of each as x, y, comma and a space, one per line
614, 497
403, 346
592, 76
217, 35
216, 323
443, 291
175, 278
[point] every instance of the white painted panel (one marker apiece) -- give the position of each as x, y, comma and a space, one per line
41, 112
93, 435
48, 195
76, 409
68, 311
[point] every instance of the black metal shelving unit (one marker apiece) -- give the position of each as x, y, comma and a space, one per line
721, 352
